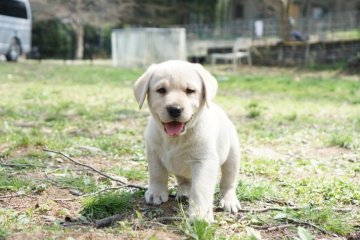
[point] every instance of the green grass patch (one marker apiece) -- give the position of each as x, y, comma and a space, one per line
132, 174
341, 139
319, 191
309, 87
83, 183
199, 230
254, 110
107, 204
13, 183
23, 139
253, 191
261, 166
326, 218
357, 123
11, 220
25, 163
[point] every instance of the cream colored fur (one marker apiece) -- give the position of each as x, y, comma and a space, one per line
207, 143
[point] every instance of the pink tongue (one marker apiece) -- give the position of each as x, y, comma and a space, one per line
174, 128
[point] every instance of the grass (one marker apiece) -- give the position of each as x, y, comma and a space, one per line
254, 191
298, 132
254, 110
105, 205
132, 174
327, 218
12, 183
342, 140
331, 221
199, 230
83, 183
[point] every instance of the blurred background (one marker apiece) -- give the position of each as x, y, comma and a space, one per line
139, 32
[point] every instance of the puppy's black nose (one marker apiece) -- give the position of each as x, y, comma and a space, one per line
174, 111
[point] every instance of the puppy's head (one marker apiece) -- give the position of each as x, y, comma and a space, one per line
176, 91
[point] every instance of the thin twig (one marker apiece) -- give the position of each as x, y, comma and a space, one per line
12, 196
53, 181
280, 209
308, 224
95, 170
168, 219
294, 221
85, 195
71, 224
279, 227
269, 226
108, 221
280, 202
17, 195
12, 165
269, 209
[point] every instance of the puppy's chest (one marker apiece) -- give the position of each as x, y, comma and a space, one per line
177, 158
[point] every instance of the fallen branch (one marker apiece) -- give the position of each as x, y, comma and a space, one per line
267, 209
279, 227
108, 221
293, 221
71, 224
24, 165
12, 196
281, 209
280, 202
168, 219
308, 224
95, 170
273, 228
85, 195
17, 195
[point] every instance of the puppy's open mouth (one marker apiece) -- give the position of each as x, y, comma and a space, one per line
174, 128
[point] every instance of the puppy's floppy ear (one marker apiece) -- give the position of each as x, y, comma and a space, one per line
210, 84
141, 86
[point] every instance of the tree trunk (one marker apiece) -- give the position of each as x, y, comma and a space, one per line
306, 30
221, 15
79, 42
285, 28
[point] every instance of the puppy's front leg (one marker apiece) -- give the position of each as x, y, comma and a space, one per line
204, 175
157, 192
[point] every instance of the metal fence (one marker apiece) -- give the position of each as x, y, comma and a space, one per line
330, 26
329, 39
144, 46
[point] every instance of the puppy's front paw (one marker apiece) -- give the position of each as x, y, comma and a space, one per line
230, 203
155, 196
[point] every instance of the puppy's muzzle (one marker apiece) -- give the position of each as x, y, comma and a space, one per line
174, 111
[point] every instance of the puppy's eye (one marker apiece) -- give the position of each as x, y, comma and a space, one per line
161, 90
189, 91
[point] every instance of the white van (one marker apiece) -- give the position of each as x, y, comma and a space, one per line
15, 28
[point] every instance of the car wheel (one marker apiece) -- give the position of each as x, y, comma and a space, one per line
14, 51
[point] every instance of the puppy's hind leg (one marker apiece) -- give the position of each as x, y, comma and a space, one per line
184, 186
228, 183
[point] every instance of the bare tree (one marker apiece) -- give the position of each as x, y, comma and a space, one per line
282, 8
221, 11
78, 13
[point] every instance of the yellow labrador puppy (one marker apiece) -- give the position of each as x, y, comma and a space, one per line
188, 136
